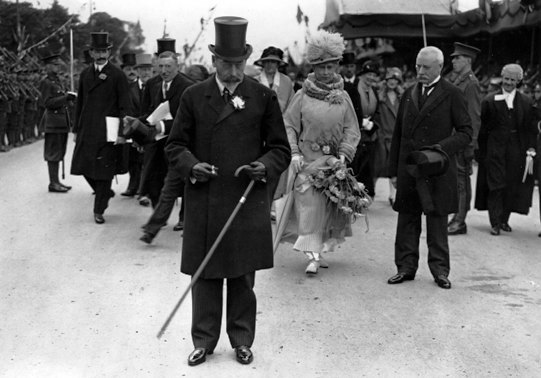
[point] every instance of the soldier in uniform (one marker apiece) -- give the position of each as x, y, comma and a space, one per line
5, 108
55, 121
463, 77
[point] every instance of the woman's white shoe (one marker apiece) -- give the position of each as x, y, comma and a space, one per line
312, 267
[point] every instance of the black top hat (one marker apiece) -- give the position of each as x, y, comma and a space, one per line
369, 66
100, 40
128, 60
231, 39
348, 58
427, 162
273, 54
166, 44
465, 50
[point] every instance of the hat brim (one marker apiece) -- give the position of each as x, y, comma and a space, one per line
49, 58
247, 52
260, 61
316, 62
92, 47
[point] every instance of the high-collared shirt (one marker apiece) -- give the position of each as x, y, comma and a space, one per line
98, 67
350, 80
431, 85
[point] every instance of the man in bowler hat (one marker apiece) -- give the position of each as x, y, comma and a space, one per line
224, 123
463, 77
433, 114
55, 121
103, 92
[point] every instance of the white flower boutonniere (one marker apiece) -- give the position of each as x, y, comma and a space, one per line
238, 103
102, 76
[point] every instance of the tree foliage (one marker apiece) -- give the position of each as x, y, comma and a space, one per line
36, 25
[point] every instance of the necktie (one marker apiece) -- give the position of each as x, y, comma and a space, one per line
165, 89
227, 95
424, 94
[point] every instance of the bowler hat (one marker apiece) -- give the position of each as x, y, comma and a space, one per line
142, 60
369, 66
465, 50
348, 58
271, 54
230, 39
166, 44
428, 161
100, 40
128, 60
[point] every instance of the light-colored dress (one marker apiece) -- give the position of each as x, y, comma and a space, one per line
313, 124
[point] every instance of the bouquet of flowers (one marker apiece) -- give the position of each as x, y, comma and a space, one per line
343, 192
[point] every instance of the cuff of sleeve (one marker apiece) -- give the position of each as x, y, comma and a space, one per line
347, 150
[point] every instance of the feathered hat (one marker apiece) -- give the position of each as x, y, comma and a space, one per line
324, 47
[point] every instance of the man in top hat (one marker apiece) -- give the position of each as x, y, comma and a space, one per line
365, 102
225, 123
432, 114
55, 121
506, 139
103, 93
463, 77
135, 159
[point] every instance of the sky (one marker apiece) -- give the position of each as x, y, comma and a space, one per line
270, 22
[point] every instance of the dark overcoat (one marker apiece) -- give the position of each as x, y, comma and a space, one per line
443, 120
155, 161
208, 130
99, 96
493, 137
136, 97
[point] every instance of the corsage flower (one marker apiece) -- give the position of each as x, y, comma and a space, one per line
238, 103
102, 76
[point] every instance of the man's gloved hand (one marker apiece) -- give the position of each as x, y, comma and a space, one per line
256, 171
297, 163
204, 171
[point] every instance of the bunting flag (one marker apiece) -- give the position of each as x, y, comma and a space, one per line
300, 14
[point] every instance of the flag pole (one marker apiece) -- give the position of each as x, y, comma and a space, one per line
72, 85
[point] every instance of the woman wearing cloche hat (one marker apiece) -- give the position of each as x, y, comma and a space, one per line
325, 140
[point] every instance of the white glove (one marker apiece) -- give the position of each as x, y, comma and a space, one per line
296, 163
367, 124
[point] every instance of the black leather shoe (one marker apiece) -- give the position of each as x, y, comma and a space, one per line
65, 186
98, 218
57, 188
198, 356
244, 355
179, 226
505, 227
128, 193
495, 230
400, 277
443, 281
456, 228
146, 238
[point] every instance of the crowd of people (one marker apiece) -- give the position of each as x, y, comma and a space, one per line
308, 153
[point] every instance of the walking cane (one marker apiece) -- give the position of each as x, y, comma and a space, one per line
209, 255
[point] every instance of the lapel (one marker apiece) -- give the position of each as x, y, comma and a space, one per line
212, 93
518, 106
96, 80
435, 97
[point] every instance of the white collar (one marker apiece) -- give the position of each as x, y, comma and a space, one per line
221, 85
98, 67
351, 80
433, 82
265, 80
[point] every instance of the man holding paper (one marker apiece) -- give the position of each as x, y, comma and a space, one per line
103, 99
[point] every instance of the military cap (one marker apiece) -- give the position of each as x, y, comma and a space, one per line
465, 50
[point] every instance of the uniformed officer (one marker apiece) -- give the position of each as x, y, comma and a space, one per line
55, 121
463, 77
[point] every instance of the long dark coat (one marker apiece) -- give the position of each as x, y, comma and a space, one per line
208, 130
493, 137
155, 166
443, 120
98, 98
